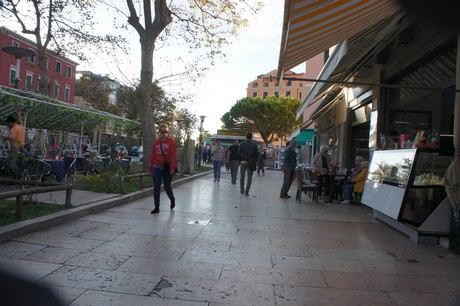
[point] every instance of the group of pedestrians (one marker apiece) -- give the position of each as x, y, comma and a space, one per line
246, 157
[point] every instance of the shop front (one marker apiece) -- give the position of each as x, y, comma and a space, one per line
388, 90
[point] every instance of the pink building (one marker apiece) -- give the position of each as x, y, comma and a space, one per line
60, 70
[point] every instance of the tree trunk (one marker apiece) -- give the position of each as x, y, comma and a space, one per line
145, 90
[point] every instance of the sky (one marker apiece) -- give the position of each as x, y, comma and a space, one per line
254, 52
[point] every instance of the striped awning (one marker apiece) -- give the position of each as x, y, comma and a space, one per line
312, 26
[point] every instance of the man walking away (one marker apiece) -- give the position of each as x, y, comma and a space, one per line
233, 159
289, 164
261, 157
247, 155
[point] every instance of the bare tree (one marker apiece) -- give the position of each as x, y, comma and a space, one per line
198, 24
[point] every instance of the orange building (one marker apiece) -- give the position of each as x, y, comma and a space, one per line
269, 85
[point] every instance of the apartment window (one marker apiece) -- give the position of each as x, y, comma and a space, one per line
68, 71
29, 80
265, 84
56, 90
12, 74
15, 44
277, 84
255, 85
31, 59
58, 67
277, 94
289, 83
265, 94
288, 93
300, 96
67, 93
254, 94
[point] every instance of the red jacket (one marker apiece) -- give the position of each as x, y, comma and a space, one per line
169, 149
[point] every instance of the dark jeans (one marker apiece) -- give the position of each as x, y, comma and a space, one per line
287, 181
260, 166
217, 164
234, 164
243, 168
157, 175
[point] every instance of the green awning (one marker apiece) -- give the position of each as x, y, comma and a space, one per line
305, 137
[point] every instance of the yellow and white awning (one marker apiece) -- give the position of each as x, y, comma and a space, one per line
312, 26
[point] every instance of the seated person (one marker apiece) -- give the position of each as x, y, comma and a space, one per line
350, 175
355, 184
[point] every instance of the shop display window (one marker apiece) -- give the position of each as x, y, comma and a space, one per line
392, 168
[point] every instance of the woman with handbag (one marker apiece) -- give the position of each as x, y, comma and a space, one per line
162, 166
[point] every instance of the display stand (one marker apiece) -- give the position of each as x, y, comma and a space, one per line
404, 188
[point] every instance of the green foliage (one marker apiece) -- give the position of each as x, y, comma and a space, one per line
272, 117
29, 211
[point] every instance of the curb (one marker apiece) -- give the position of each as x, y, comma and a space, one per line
11, 231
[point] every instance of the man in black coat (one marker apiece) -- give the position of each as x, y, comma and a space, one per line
247, 154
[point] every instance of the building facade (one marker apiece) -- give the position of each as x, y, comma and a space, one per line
60, 70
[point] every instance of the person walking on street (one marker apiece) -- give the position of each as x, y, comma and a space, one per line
233, 160
218, 158
289, 164
261, 157
247, 155
162, 165
16, 137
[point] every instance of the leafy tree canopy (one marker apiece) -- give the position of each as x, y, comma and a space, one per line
164, 110
273, 117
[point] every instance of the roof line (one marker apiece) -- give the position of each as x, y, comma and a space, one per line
374, 84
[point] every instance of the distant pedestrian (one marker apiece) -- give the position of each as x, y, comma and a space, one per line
247, 155
261, 157
218, 158
162, 165
289, 164
233, 160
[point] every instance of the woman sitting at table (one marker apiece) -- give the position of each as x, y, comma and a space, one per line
355, 184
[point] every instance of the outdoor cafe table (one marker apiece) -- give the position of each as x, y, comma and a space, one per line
328, 183
57, 168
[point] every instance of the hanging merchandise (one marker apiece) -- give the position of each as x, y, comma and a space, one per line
417, 139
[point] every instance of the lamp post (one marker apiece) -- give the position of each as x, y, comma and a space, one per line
18, 52
200, 154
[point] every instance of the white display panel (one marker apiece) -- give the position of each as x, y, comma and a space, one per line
384, 198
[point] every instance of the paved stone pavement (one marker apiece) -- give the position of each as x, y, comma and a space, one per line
219, 247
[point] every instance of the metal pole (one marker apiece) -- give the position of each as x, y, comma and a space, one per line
16, 79
200, 153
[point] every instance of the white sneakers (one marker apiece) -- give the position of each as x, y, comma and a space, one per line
345, 202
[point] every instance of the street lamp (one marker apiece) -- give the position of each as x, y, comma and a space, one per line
201, 140
18, 52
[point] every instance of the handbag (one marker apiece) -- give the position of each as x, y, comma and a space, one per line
167, 164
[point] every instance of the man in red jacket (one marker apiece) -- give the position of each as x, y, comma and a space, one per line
163, 153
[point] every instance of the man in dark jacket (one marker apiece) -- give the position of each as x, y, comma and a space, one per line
289, 164
233, 160
247, 154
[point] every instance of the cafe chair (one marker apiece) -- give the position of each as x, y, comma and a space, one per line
70, 167
305, 185
34, 170
84, 166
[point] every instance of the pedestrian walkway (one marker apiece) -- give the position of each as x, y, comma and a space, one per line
219, 247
